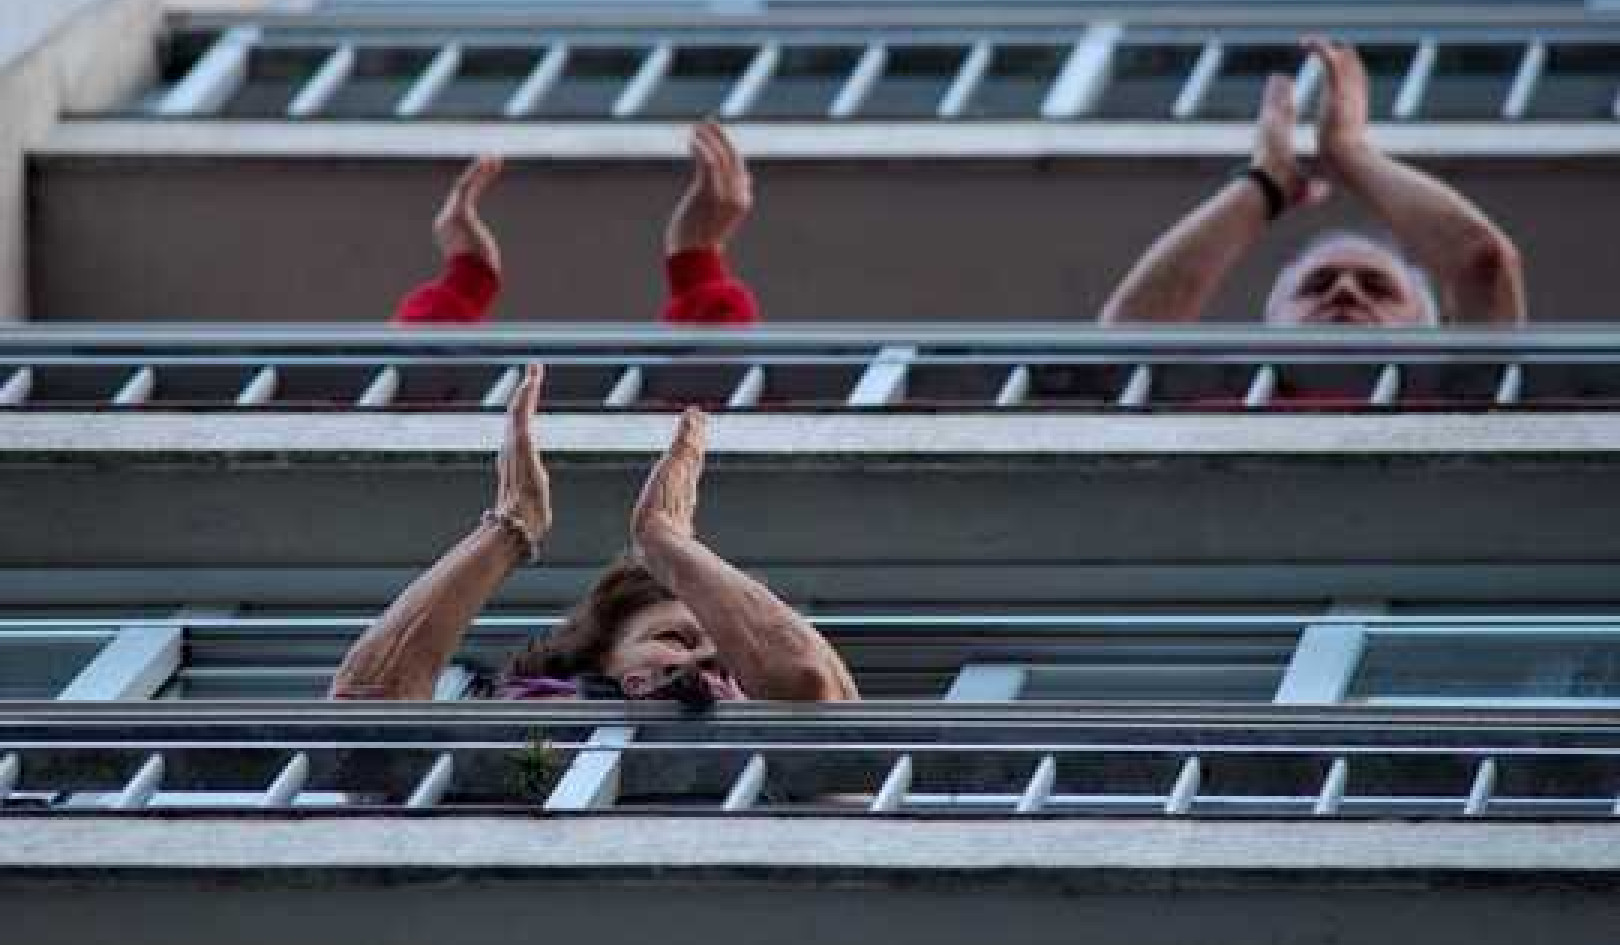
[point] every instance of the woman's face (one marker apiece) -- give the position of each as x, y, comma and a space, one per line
660, 640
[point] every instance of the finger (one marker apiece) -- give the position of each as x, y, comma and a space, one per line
481, 174
1279, 96
692, 431
729, 155
736, 168
707, 175
1277, 101
533, 377
520, 409
1324, 50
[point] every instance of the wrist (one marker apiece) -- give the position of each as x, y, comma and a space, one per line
1264, 183
517, 535
1350, 156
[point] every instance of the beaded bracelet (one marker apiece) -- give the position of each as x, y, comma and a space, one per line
515, 525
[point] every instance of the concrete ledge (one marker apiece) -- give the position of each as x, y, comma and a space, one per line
924, 845
611, 141
962, 438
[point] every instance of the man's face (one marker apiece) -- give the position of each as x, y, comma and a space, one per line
1348, 282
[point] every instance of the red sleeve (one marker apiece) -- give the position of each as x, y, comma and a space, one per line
702, 291
462, 294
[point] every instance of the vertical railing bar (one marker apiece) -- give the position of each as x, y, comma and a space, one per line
545, 74
1306, 83
639, 90
215, 77
500, 392
884, 380
260, 388
752, 82
1138, 388
987, 682
14, 393
592, 780
430, 790
1479, 796
1039, 789
10, 774
1262, 387
324, 84
135, 664
440, 72
1325, 657
1332, 796
1186, 788
1510, 389
1203, 74
137, 390
893, 793
1531, 67
1387, 389
627, 389
382, 389
968, 76
284, 790
1080, 83
138, 792
1015, 389
746, 790
862, 79
749, 389
453, 683
1409, 101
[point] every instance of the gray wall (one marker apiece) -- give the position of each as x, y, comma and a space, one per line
322, 240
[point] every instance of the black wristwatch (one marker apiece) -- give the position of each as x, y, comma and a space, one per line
1272, 191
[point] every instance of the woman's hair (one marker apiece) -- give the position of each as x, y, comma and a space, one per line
579, 644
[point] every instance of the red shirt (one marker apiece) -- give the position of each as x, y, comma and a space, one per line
702, 291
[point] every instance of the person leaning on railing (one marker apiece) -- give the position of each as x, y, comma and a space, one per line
1342, 278
669, 620
702, 289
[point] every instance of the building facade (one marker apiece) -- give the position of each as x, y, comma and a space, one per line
1153, 650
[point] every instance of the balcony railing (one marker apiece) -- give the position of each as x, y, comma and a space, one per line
1063, 760
843, 62
972, 368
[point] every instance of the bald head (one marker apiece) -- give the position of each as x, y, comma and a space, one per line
1349, 279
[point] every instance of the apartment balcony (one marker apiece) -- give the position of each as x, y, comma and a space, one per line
922, 162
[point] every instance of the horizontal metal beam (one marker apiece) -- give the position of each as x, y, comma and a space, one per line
955, 587
363, 342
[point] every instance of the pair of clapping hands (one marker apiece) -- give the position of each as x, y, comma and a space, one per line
1341, 124
668, 501
715, 202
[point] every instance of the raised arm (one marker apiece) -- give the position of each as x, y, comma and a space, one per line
774, 652
471, 275
1475, 266
1178, 275
702, 289
401, 655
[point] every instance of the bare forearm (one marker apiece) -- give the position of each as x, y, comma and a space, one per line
774, 652
402, 653
1179, 274
1475, 263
